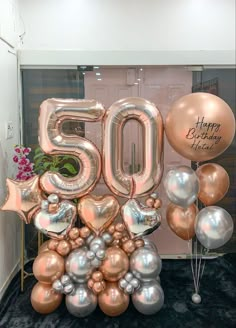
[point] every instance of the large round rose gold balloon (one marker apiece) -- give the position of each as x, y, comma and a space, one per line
43, 298
214, 183
115, 265
141, 183
52, 140
112, 300
48, 266
182, 220
200, 126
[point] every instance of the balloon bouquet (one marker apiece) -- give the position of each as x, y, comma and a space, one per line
199, 127
106, 261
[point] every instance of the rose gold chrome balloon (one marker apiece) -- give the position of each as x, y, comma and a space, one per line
200, 126
74, 233
52, 244
44, 247
23, 197
52, 140
214, 183
44, 300
115, 264
48, 266
98, 212
141, 183
112, 300
63, 248
182, 220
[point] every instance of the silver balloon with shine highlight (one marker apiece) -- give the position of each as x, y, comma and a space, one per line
182, 186
78, 266
145, 264
82, 302
149, 298
214, 227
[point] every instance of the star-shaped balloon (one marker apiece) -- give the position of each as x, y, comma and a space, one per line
23, 197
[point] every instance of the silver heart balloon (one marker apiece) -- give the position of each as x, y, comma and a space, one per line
57, 224
139, 220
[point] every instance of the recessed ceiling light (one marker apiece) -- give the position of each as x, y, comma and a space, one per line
96, 67
138, 79
136, 83
98, 73
99, 79
83, 73
140, 69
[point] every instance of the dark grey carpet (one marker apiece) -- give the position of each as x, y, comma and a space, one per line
217, 310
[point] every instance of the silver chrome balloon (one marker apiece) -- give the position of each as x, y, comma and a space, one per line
149, 298
129, 283
107, 237
196, 298
145, 264
65, 280
82, 302
182, 186
150, 244
57, 286
95, 263
140, 220
53, 199
69, 289
214, 227
96, 244
78, 266
56, 224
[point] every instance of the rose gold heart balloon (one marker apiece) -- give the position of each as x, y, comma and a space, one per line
98, 212
182, 220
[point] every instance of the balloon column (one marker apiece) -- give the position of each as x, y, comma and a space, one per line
106, 262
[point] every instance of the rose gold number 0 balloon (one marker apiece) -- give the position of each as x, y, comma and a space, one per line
141, 183
53, 112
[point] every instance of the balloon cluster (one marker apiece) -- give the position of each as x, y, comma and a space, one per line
98, 272
200, 127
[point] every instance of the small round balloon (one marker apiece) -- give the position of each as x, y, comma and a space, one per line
214, 183
81, 302
214, 227
149, 298
181, 185
200, 126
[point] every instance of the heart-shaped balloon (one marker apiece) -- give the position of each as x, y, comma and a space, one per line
58, 223
140, 220
98, 212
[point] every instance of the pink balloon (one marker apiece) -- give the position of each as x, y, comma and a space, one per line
144, 182
52, 140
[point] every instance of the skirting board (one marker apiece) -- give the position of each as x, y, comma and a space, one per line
9, 278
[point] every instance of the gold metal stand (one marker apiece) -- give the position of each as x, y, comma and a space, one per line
24, 273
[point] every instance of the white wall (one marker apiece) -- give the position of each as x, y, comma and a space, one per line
129, 24
9, 222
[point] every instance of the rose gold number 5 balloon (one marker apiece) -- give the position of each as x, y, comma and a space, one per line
53, 112
149, 117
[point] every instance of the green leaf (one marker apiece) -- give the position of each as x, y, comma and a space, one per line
69, 167
38, 150
46, 165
